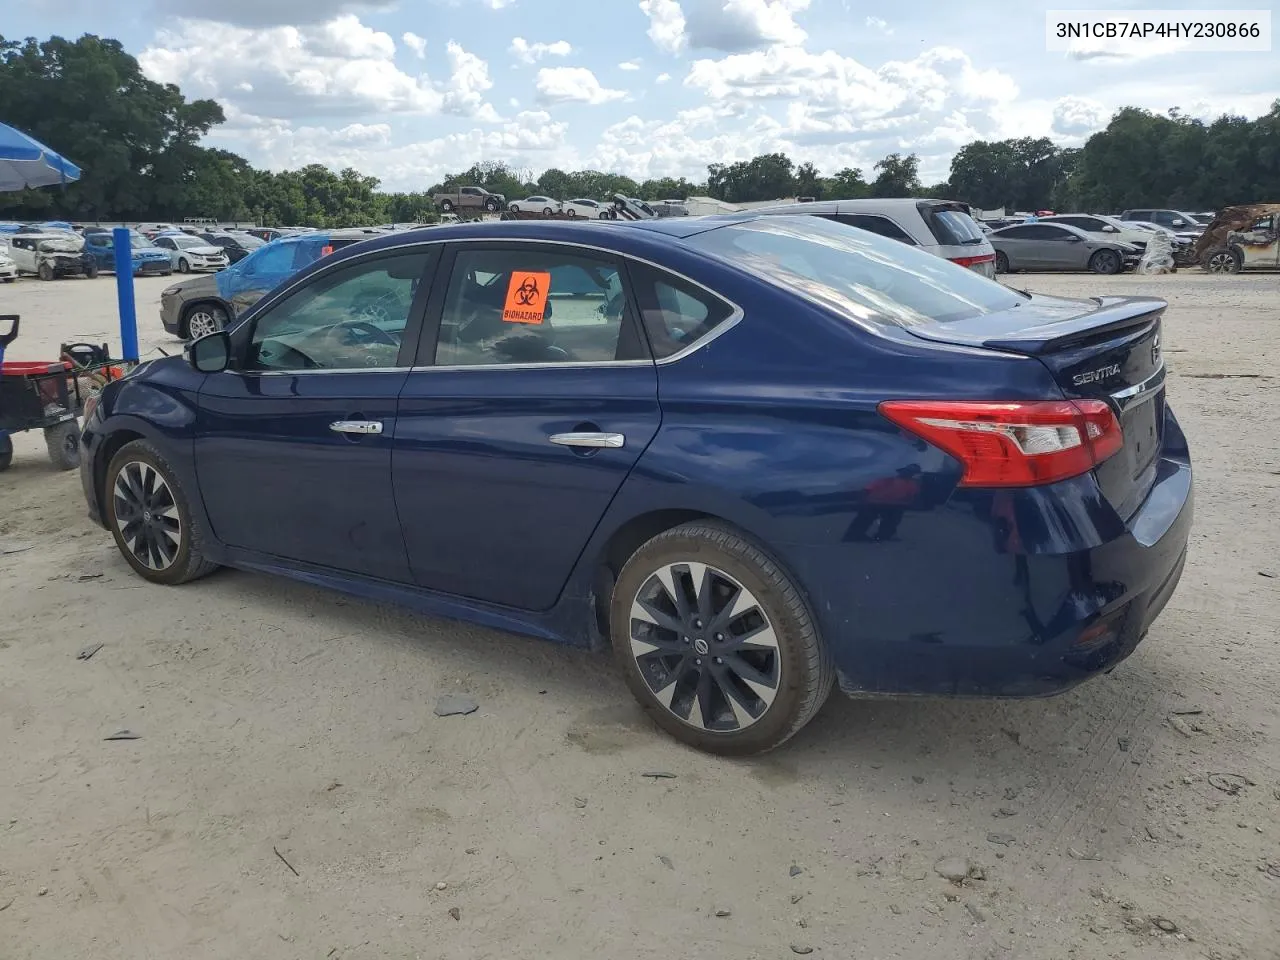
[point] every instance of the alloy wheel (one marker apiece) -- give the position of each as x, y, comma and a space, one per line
146, 515
202, 323
1222, 262
705, 647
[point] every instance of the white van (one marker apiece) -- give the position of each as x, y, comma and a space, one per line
941, 227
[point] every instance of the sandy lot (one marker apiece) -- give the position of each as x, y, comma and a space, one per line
280, 723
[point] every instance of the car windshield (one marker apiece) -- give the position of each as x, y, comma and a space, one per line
859, 274
247, 241
139, 242
186, 243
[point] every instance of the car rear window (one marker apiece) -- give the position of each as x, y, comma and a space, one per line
866, 277
950, 225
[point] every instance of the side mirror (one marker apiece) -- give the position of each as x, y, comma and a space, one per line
1108, 228
1179, 222
1072, 238
211, 353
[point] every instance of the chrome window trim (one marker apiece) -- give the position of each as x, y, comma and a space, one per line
724, 326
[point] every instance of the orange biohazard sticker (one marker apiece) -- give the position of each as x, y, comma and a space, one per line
526, 297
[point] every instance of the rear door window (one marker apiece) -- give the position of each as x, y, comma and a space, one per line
676, 313
882, 226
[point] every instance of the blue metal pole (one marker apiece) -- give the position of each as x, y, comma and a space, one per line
124, 293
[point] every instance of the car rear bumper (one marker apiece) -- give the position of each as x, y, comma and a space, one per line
1010, 593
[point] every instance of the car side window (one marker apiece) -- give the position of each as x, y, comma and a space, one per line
676, 313
535, 306
1015, 233
353, 317
872, 224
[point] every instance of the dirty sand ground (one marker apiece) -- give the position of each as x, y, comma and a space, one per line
275, 717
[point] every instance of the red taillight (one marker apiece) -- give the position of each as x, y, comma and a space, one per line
1014, 444
973, 261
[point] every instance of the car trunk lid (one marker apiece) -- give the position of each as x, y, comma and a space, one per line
1107, 348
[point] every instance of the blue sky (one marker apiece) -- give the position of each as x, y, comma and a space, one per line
410, 89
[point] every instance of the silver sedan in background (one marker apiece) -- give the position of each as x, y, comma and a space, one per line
1055, 246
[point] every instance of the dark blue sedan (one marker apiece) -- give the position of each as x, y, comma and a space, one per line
757, 456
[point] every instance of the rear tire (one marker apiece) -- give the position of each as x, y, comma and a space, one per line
746, 669
149, 516
1105, 262
91, 271
63, 443
1002, 263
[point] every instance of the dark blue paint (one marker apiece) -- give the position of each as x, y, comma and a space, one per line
512, 535
463, 509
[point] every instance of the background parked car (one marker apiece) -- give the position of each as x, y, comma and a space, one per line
940, 227
584, 207
205, 304
8, 269
1056, 246
1179, 221
51, 254
545, 205
148, 259
474, 199
236, 246
187, 254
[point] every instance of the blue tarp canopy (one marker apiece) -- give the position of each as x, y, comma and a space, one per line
25, 162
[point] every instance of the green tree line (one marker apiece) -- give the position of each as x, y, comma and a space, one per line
140, 144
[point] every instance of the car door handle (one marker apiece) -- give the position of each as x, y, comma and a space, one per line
587, 439
356, 426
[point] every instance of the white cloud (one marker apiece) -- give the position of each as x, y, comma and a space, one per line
527, 52
415, 43
499, 4
666, 24
629, 65
262, 13
339, 67
662, 78
529, 137
731, 26
468, 80
1075, 116
572, 84
738, 25
879, 23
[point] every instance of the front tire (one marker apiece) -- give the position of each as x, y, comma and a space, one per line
571, 213
149, 516
716, 642
1002, 263
45, 272
63, 443
1105, 262
183, 265
1220, 260
446, 206
202, 320
491, 206
91, 271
